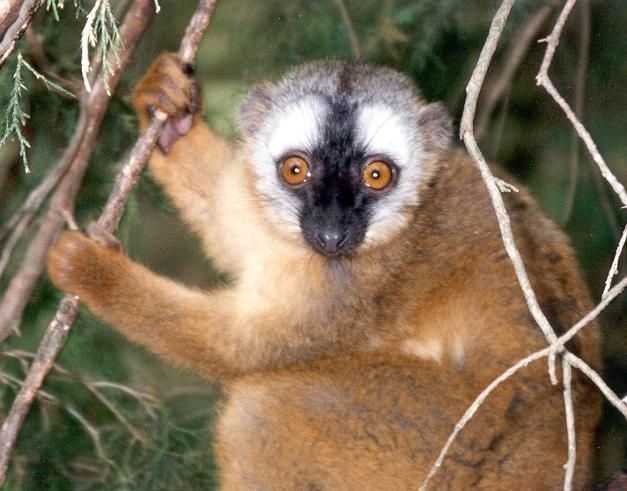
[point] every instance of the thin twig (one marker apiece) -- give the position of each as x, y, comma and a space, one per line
557, 347
580, 85
95, 388
39, 59
350, 29
556, 344
611, 295
609, 394
57, 332
466, 132
497, 87
476, 404
569, 468
44, 395
614, 268
544, 80
15, 16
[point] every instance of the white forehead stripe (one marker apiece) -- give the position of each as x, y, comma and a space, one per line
381, 130
297, 126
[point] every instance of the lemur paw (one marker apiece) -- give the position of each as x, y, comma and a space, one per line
81, 266
167, 86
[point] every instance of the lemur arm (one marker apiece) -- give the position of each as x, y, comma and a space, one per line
205, 331
190, 159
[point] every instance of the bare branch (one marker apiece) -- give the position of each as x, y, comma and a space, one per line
20, 220
611, 295
38, 58
146, 400
510, 246
614, 268
557, 347
498, 86
557, 344
7, 250
466, 132
609, 394
478, 75
72, 166
544, 80
569, 468
15, 16
44, 395
58, 331
472, 409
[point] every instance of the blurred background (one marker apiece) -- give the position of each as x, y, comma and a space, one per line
115, 417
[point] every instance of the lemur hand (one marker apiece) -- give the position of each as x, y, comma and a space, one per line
81, 266
168, 87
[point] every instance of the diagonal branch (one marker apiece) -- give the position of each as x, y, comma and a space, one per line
614, 268
497, 87
71, 166
466, 132
544, 80
57, 332
15, 16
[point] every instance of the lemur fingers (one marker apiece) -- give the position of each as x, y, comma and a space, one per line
81, 266
167, 86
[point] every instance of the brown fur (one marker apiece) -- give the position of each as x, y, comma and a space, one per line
352, 375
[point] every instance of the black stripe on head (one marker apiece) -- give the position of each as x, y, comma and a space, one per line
335, 205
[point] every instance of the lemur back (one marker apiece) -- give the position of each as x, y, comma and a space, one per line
372, 298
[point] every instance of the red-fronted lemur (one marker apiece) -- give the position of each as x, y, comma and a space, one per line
371, 300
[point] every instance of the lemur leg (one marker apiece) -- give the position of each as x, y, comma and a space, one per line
204, 331
190, 159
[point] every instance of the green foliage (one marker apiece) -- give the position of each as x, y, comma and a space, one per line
100, 31
14, 117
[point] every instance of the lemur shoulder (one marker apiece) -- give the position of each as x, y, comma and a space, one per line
372, 298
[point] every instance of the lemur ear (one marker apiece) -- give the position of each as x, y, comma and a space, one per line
254, 106
436, 126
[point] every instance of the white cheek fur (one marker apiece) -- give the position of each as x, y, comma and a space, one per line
295, 126
382, 131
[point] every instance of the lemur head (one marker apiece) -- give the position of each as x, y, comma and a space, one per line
341, 152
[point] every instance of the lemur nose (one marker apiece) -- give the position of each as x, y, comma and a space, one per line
331, 240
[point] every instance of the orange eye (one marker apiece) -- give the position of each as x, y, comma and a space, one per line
377, 175
295, 170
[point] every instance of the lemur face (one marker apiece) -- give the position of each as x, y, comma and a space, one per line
339, 154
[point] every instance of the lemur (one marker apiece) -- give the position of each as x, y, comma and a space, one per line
371, 296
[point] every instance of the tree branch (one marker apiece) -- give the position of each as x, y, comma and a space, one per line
614, 268
498, 86
569, 467
472, 409
557, 345
544, 80
72, 166
15, 16
59, 329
